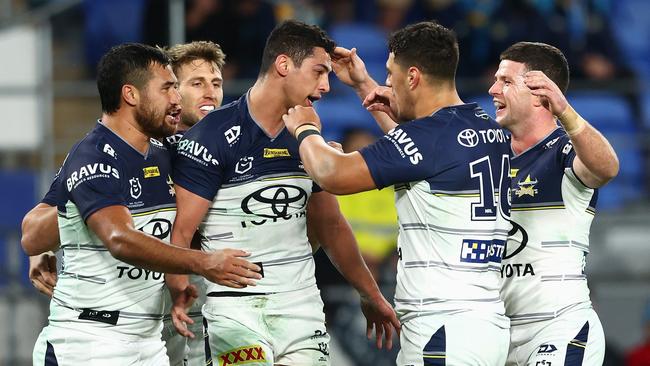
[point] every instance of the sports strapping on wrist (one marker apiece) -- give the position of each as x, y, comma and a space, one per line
571, 121
306, 129
307, 132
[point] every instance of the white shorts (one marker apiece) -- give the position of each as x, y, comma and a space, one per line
71, 347
573, 338
465, 338
285, 328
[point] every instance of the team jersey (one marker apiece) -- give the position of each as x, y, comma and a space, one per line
450, 172
258, 190
94, 289
543, 267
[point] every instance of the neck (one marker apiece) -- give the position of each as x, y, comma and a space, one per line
530, 132
266, 106
125, 126
433, 98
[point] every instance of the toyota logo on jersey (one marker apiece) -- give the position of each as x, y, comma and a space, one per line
275, 201
468, 138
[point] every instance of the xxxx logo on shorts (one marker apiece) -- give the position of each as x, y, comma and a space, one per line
242, 355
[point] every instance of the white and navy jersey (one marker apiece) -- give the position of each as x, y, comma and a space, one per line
543, 267
94, 289
450, 172
50, 197
259, 192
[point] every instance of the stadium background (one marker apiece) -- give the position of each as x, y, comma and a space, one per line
48, 99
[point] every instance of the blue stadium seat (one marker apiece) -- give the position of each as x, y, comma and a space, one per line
606, 111
18, 195
370, 42
339, 114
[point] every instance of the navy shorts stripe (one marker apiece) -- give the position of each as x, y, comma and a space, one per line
206, 340
50, 357
575, 350
435, 351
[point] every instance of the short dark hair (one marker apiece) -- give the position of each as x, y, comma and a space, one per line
182, 54
128, 63
296, 40
541, 57
428, 46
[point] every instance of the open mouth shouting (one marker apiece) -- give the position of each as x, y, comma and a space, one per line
173, 115
311, 100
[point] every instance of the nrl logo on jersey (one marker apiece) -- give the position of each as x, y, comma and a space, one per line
527, 187
135, 188
232, 134
244, 164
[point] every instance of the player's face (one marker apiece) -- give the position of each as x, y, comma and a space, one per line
512, 98
397, 81
307, 83
200, 84
158, 111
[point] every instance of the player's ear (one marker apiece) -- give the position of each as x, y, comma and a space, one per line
282, 64
413, 76
130, 95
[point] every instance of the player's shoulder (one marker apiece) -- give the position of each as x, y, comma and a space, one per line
96, 146
219, 120
558, 141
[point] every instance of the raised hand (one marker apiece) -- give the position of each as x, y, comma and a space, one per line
540, 85
349, 67
381, 99
381, 317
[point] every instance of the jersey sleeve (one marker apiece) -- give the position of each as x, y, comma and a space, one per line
92, 181
198, 162
566, 156
50, 197
399, 156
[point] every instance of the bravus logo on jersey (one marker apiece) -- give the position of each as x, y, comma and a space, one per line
405, 145
196, 150
90, 171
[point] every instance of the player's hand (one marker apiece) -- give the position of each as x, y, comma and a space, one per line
183, 296
227, 268
299, 115
336, 145
42, 272
349, 67
381, 99
550, 94
381, 317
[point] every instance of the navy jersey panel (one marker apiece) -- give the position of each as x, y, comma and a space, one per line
50, 197
437, 149
103, 170
538, 174
227, 148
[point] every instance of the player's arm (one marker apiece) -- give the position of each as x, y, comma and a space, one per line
596, 162
351, 70
333, 170
40, 230
113, 225
190, 210
335, 236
